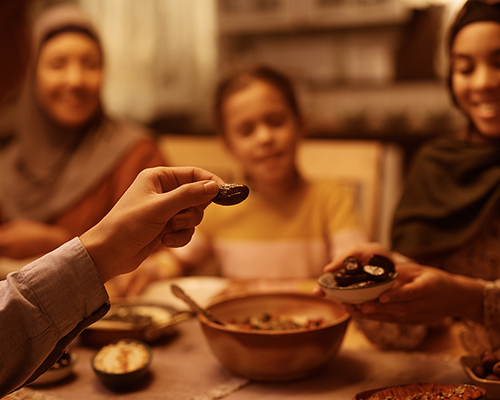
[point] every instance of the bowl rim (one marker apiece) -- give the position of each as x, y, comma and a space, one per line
346, 288
55, 375
128, 340
365, 394
343, 319
466, 362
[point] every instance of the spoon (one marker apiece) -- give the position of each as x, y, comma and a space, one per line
178, 292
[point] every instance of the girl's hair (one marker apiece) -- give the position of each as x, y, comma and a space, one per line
240, 80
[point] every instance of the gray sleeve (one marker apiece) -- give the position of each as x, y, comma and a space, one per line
43, 307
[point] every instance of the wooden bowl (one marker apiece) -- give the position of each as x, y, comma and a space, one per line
275, 355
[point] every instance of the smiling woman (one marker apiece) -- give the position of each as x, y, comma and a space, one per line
476, 76
69, 162
68, 78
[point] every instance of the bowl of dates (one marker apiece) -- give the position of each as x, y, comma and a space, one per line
357, 282
484, 371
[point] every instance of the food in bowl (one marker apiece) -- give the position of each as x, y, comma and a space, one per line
355, 274
122, 364
270, 322
357, 283
424, 391
488, 365
121, 357
140, 321
276, 354
492, 386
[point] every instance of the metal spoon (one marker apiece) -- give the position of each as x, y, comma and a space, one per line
178, 292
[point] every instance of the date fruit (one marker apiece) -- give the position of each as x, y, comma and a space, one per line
355, 274
489, 366
231, 194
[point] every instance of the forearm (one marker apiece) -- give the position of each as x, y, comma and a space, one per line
42, 308
469, 298
491, 303
95, 242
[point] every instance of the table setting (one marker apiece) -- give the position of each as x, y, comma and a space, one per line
185, 364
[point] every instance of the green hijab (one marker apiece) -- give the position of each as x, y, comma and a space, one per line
439, 214
453, 187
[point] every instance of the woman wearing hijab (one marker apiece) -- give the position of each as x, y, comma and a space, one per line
70, 162
448, 216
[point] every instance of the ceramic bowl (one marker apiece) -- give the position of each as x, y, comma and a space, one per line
133, 320
354, 295
492, 387
62, 369
104, 364
424, 391
275, 355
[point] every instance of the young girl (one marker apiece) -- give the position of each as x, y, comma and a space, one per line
288, 227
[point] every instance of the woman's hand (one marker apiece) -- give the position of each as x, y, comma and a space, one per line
163, 205
24, 238
423, 295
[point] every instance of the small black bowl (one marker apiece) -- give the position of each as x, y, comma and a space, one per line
120, 381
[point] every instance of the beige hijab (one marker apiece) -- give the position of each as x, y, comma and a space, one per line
48, 168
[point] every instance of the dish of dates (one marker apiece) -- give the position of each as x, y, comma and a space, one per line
357, 282
484, 371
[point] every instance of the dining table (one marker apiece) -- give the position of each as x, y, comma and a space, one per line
184, 368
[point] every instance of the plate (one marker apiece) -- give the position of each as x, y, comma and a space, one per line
492, 387
419, 391
56, 374
140, 321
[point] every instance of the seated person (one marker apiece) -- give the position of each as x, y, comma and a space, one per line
69, 162
289, 227
448, 217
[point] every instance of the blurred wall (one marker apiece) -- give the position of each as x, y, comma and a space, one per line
362, 67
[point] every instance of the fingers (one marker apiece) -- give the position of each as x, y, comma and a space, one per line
362, 252
180, 228
198, 194
317, 291
186, 219
171, 178
178, 238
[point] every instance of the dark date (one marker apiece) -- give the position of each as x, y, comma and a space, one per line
378, 269
231, 194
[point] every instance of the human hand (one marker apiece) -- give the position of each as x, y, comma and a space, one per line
424, 294
23, 238
163, 205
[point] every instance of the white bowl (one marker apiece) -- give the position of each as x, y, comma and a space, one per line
57, 373
354, 295
492, 387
